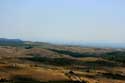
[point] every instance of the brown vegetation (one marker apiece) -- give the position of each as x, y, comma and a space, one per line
54, 64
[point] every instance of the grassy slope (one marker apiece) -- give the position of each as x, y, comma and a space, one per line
45, 62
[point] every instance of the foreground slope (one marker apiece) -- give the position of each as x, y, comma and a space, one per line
43, 62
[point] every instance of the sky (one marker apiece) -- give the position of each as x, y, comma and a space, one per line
63, 20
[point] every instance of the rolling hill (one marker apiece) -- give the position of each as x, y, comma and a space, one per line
38, 62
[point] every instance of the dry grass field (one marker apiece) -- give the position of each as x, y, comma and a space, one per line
44, 63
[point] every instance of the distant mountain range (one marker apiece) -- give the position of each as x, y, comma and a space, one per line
5, 40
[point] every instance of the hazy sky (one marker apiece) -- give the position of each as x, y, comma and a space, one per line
63, 20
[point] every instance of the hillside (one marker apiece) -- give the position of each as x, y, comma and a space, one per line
38, 62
